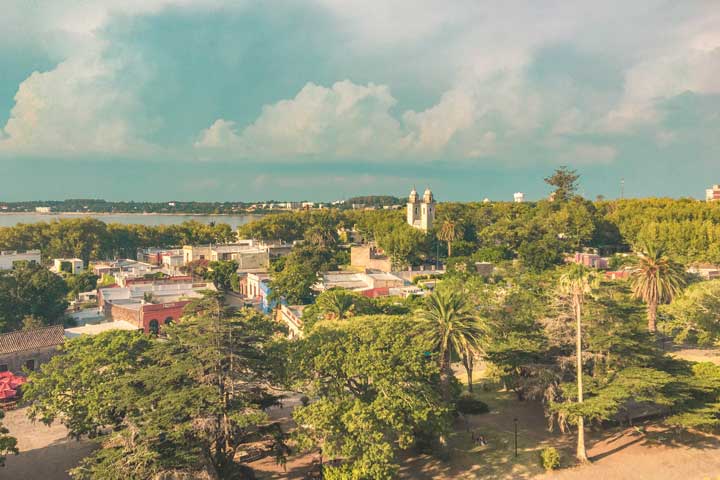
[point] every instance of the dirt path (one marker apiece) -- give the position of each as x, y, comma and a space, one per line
657, 454
45, 452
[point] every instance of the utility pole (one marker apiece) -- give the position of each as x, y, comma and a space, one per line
622, 188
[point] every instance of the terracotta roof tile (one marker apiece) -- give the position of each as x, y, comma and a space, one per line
31, 339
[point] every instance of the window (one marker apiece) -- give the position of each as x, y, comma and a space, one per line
30, 365
168, 320
3, 367
154, 327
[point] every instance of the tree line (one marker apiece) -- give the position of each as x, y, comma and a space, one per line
91, 239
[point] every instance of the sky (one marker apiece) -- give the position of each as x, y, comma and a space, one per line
319, 100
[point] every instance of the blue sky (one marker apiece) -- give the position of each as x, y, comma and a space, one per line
324, 99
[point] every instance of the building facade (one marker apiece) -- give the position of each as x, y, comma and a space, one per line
28, 349
421, 213
9, 258
68, 265
291, 317
712, 194
369, 256
148, 305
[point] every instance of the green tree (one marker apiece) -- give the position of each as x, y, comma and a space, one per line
404, 245
656, 279
185, 404
323, 236
577, 282
339, 304
452, 327
221, 273
78, 385
448, 233
375, 394
565, 182
694, 316
294, 277
541, 254
8, 444
31, 290
82, 282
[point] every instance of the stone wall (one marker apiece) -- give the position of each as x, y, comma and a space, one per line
16, 361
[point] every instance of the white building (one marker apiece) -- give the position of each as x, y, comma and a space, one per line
11, 257
519, 197
712, 194
69, 265
42, 209
421, 214
291, 316
370, 282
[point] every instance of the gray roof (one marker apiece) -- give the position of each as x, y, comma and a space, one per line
31, 339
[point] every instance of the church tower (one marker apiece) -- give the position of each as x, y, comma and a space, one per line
421, 214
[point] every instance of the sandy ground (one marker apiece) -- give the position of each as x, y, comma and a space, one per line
45, 452
616, 454
698, 354
657, 455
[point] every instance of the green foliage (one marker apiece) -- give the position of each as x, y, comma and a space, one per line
565, 182
76, 386
294, 277
404, 245
31, 290
550, 458
541, 254
82, 282
184, 404
222, 273
91, 239
8, 444
375, 392
451, 327
656, 279
688, 229
492, 254
337, 304
699, 398
695, 315
376, 200
469, 404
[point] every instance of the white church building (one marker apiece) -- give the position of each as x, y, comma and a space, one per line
421, 214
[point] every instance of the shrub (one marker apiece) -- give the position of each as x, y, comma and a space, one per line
468, 404
305, 400
550, 458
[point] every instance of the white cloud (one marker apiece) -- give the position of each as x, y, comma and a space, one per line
485, 49
76, 107
343, 120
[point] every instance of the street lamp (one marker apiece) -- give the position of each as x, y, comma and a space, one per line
515, 420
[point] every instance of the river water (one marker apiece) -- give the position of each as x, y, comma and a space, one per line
11, 219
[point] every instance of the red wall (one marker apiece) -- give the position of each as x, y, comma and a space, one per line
160, 312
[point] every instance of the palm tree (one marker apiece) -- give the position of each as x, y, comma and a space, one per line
655, 279
337, 304
452, 327
448, 233
577, 282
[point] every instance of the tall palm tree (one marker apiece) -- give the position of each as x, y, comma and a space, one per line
577, 282
451, 326
449, 232
655, 279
